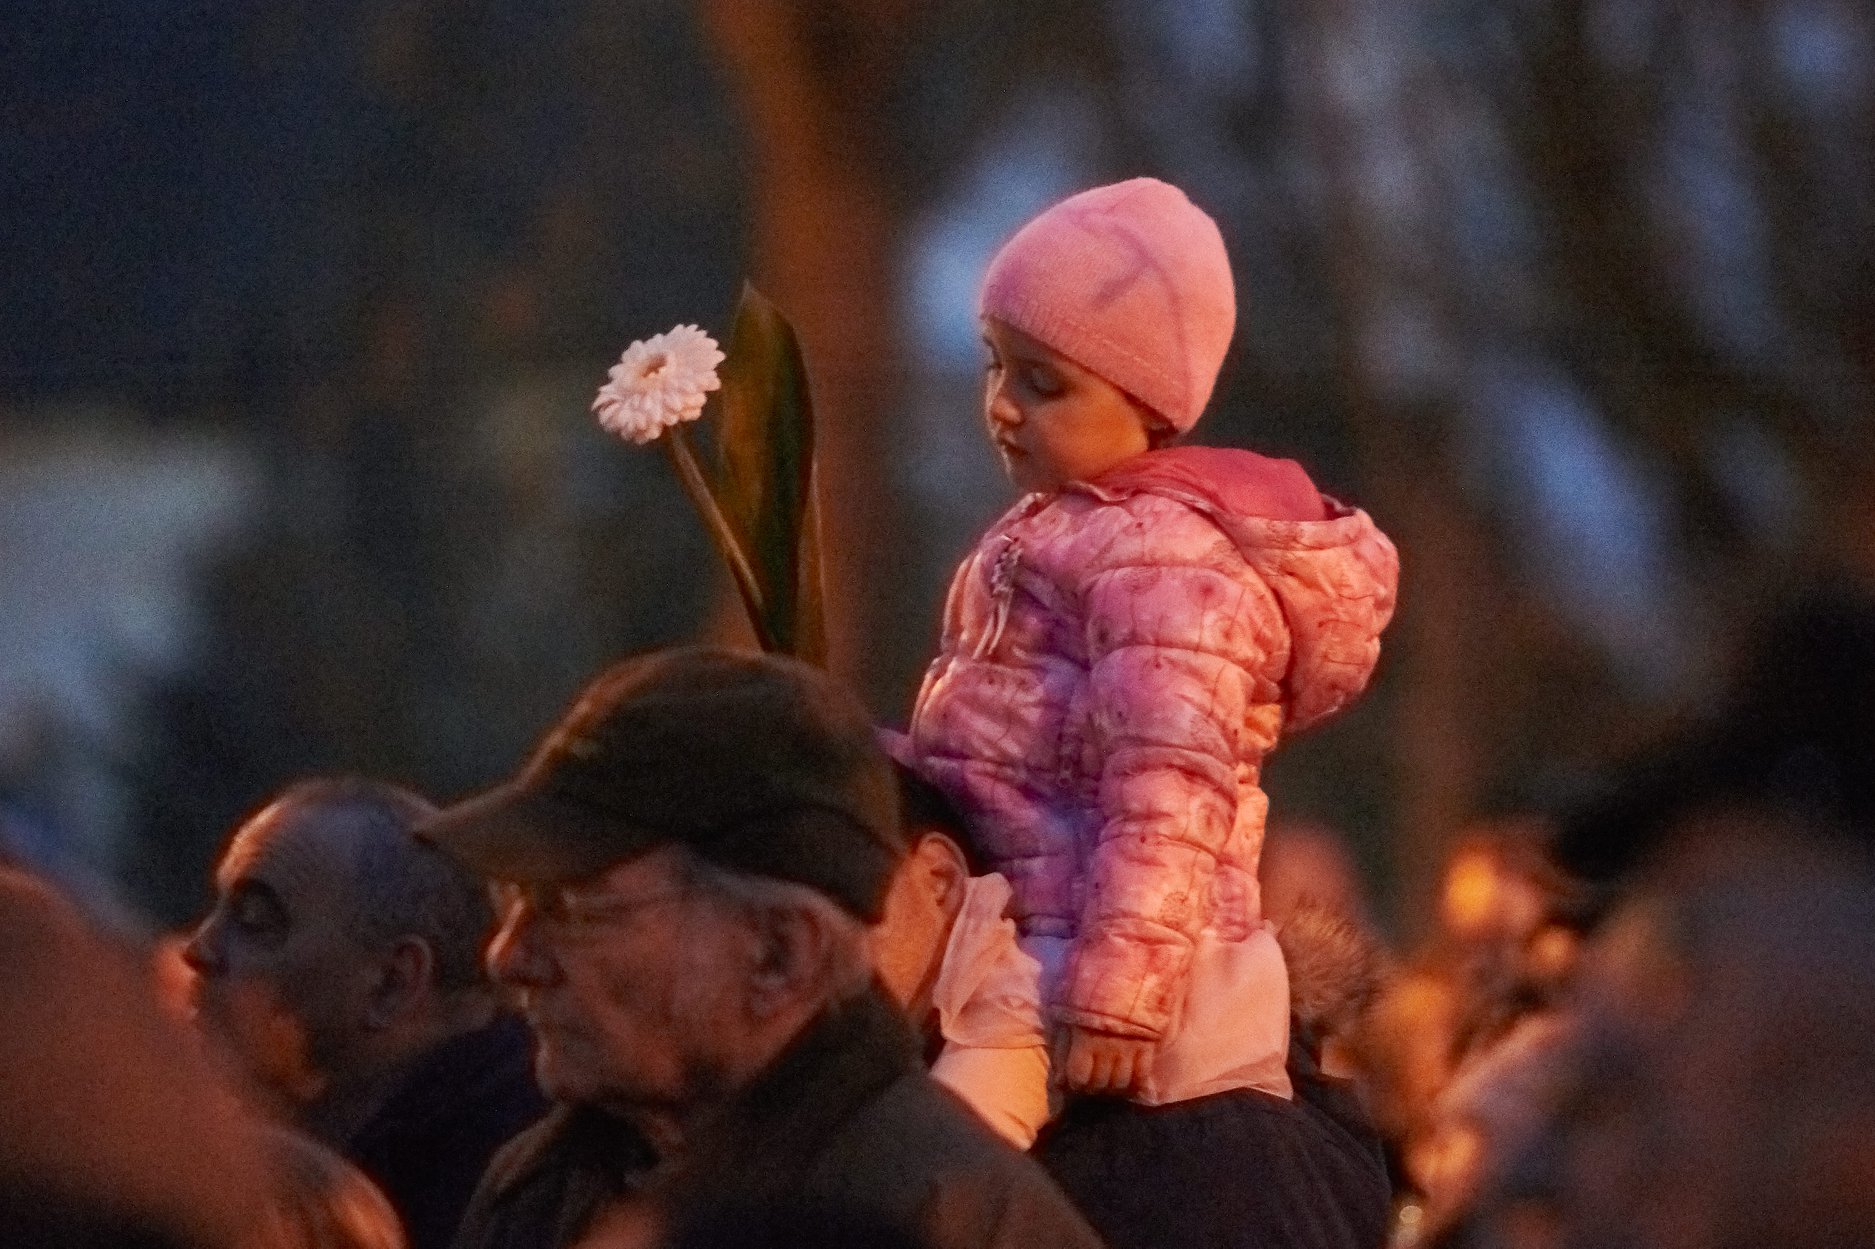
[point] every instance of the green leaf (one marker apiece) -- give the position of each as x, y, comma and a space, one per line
766, 481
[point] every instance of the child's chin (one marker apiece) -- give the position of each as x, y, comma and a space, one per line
1024, 475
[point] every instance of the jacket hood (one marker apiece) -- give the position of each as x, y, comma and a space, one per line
1333, 572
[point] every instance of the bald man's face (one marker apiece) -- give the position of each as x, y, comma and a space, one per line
279, 975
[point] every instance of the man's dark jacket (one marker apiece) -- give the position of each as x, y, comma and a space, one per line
430, 1142
845, 1120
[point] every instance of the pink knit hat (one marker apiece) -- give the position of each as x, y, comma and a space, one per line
1130, 281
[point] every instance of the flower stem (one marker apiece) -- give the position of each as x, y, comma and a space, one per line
683, 457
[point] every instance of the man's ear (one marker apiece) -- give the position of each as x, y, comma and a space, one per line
794, 947
942, 861
403, 978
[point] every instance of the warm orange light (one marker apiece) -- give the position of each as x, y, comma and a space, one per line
1552, 951
1471, 896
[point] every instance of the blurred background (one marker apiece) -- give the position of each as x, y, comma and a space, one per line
302, 306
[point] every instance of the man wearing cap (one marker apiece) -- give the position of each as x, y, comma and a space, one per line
687, 866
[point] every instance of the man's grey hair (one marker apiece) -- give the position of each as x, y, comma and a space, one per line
401, 886
849, 968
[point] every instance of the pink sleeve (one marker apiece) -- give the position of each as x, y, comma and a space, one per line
1176, 653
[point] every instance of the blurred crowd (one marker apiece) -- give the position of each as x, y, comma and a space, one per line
1642, 1019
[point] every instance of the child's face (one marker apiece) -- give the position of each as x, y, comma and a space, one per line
1051, 420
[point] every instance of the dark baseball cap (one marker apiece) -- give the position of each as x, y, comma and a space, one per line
757, 763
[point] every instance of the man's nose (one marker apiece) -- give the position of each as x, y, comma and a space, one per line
202, 953
514, 956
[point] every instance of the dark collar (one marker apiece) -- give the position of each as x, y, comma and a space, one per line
780, 1124
486, 1070
774, 1131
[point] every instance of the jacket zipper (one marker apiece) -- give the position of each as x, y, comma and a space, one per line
1002, 595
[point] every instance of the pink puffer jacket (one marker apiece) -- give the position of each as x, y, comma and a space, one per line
1116, 661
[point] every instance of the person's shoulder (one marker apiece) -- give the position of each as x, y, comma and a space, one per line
1226, 481
567, 1139
961, 1183
1088, 530
546, 1175
921, 1117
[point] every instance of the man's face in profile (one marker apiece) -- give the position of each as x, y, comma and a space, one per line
280, 977
631, 979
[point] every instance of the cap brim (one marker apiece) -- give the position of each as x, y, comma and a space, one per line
513, 832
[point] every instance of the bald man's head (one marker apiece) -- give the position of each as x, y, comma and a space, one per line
397, 885
334, 936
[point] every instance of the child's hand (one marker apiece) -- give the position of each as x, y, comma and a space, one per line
1101, 1064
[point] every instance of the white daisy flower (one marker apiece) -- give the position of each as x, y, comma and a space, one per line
659, 382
